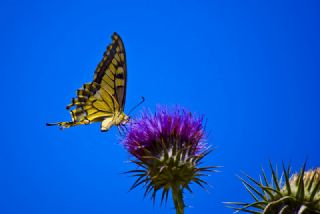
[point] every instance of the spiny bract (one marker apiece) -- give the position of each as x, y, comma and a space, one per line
299, 194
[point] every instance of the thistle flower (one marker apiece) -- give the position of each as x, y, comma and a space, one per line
299, 194
167, 148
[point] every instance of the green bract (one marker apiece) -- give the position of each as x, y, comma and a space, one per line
298, 194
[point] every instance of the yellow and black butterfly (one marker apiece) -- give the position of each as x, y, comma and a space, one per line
103, 99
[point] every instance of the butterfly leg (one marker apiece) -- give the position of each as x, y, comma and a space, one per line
122, 130
125, 128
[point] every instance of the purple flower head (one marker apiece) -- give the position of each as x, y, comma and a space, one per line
165, 128
167, 147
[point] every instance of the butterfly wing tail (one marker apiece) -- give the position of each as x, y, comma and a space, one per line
65, 124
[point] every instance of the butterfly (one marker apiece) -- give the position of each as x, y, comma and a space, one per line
104, 98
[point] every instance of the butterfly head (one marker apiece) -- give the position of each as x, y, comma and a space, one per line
123, 119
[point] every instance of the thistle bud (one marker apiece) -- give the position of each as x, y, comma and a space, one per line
298, 194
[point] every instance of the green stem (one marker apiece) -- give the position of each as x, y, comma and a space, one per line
178, 199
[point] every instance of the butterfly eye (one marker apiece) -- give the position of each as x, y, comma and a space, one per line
125, 121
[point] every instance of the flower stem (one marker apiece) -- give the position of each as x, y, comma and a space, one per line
178, 199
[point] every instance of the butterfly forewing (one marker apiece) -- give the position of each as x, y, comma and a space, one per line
111, 73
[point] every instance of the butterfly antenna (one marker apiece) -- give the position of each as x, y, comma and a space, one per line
134, 107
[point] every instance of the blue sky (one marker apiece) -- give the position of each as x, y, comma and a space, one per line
251, 67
